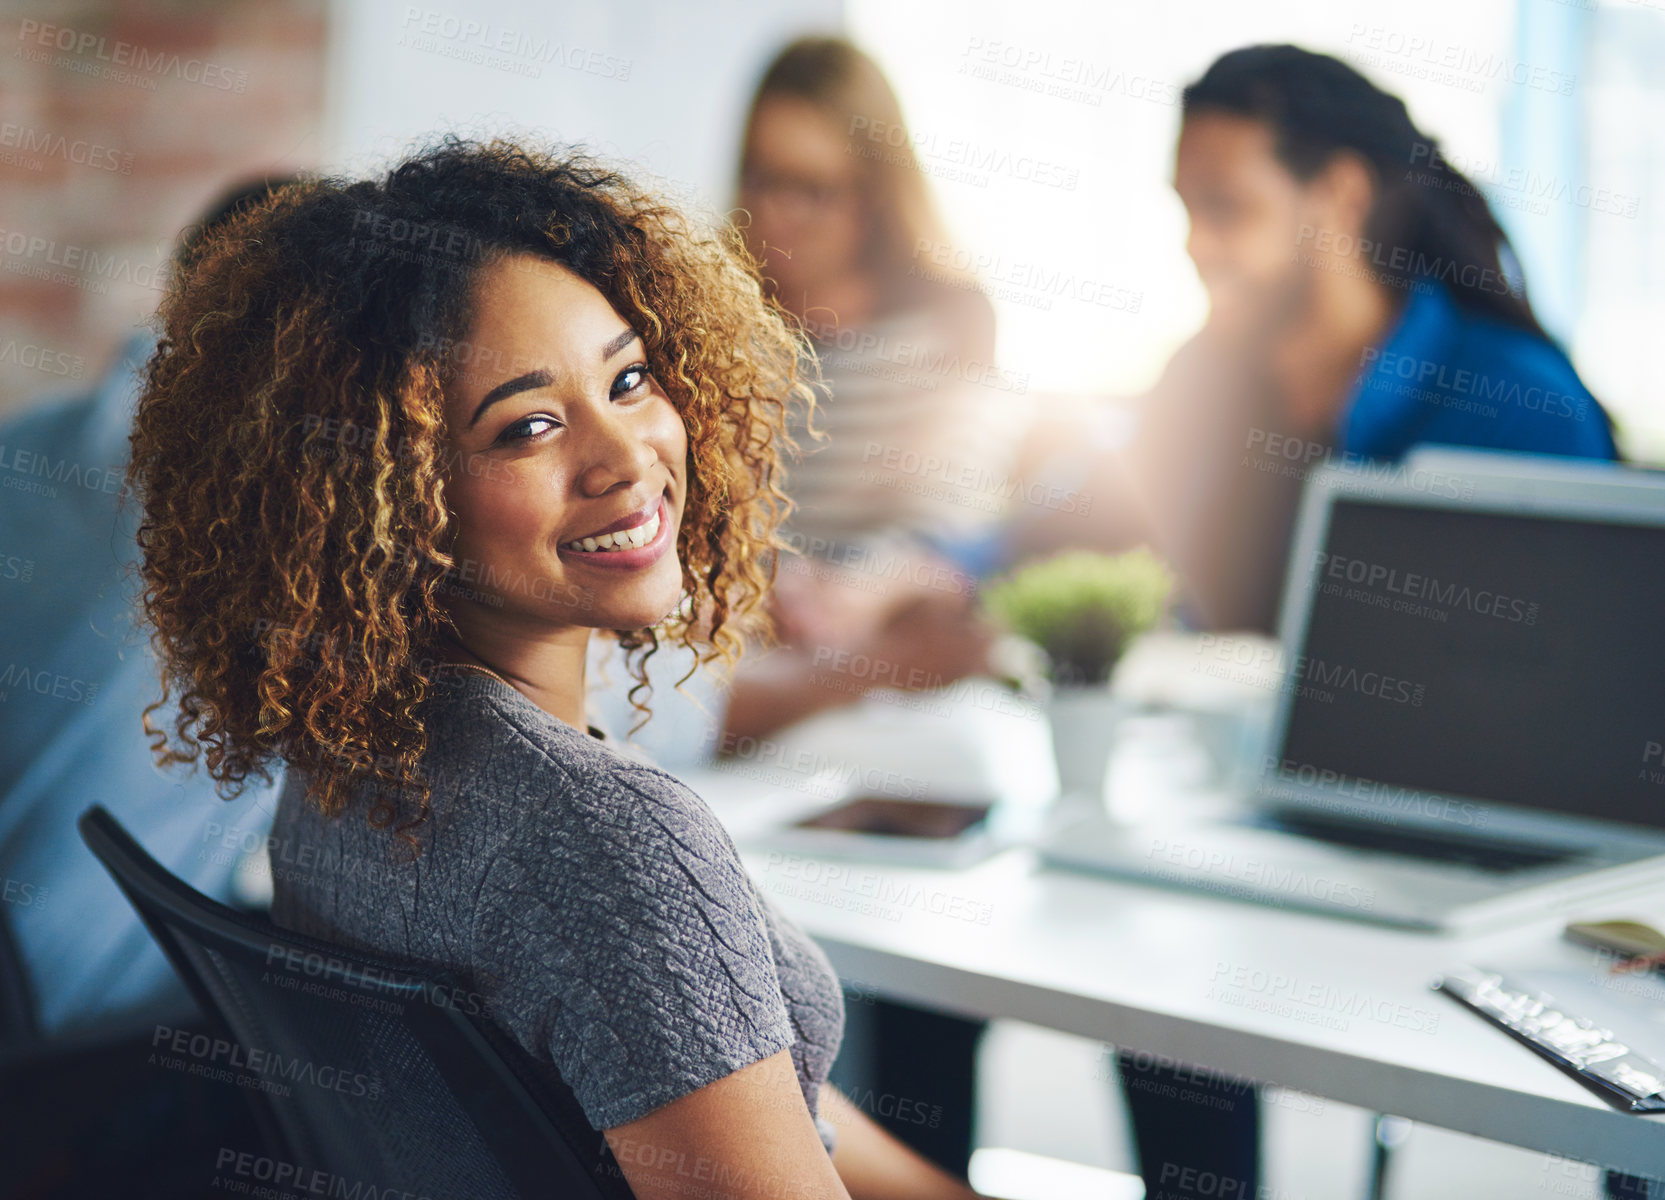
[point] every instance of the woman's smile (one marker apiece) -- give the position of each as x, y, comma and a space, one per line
635, 541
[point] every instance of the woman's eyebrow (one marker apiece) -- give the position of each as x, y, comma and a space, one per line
542, 377
619, 343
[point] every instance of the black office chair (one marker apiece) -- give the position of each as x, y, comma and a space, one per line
17, 1000
361, 1067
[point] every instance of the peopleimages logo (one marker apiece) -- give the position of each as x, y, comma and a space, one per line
1013, 277
1485, 602
1316, 677
980, 160
824, 881
1245, 876
1306, 676
882, 565
1389, 799
94, 49
41, 682
485, 44
221, 1059
22, 141
37, 256
1653, 763
967, 480
39, 358
1441, 377
292, 963
1524, 188
1409, 261
934, 362
22, 894
1423, 55
1314, 1000
1296, 457
248, 1173
13, 567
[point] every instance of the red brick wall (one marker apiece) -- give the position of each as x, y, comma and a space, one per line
119, 122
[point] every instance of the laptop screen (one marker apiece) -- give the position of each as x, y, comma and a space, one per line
1518, 659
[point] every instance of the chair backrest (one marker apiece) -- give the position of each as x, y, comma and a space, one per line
18, 1026
388, 1078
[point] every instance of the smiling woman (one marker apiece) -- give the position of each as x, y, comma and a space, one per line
381, 411
593, 484
403, 447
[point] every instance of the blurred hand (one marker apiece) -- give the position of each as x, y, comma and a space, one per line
816, 604
934, 641
838, 640
821, 604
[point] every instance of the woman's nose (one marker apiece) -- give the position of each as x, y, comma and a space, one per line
616, 451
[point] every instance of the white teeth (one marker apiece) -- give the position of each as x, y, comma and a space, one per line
624, 539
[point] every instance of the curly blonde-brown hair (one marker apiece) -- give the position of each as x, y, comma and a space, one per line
294, 588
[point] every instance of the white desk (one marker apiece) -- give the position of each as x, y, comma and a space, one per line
1325, 1006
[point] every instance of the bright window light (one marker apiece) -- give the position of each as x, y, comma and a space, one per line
1049, 128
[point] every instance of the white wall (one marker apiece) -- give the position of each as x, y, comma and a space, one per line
662, 83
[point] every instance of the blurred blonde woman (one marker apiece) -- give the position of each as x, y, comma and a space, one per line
896, 509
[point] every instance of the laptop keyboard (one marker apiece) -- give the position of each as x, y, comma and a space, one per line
1492, 855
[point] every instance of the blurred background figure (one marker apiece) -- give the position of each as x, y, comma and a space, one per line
1339, 248
90, 982
836, 209
835, 206
1362, 300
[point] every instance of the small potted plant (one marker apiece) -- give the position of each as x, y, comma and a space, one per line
1082, 608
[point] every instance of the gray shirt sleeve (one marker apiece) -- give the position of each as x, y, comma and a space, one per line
621, 941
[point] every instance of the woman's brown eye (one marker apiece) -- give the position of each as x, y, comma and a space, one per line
514, 432
630, 379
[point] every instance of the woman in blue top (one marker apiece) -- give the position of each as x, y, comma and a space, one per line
1362, 300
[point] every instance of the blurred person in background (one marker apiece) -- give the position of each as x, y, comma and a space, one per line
1370, 300
837, 208
1363, 300
79, 672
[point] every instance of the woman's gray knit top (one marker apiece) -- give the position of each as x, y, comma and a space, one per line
593, 901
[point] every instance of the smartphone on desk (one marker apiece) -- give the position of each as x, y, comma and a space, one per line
883, 816
924, 833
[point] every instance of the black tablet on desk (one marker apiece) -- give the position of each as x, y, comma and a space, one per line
884, 816
926, 833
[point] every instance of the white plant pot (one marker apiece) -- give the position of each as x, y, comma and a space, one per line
1083, 723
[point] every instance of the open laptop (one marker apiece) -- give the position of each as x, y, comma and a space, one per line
1470, 727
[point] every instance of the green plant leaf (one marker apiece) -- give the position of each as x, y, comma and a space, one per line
1082, 607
